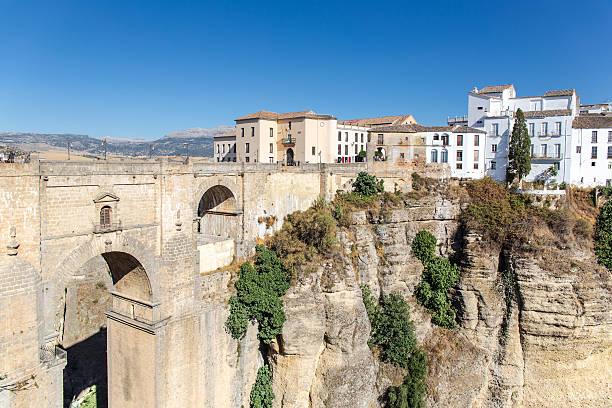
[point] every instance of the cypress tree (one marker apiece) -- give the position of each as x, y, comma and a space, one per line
519, 155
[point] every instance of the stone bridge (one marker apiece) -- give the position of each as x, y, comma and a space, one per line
118, 264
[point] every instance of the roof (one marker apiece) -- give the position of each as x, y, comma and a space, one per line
416, 128
278, 116
495, 88
546, 113
378, 121
563, 92
596, 105
229, 134
592, 122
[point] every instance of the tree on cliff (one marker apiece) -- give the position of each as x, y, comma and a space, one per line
519, 151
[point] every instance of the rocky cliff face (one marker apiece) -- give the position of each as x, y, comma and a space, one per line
536, 335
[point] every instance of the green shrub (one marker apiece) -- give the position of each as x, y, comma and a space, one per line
438, 277
603, 235
424, 246
259, 289
410, 394
366, 185
392, 331
261, 393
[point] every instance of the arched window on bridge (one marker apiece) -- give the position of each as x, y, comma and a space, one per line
105, 217
218, 212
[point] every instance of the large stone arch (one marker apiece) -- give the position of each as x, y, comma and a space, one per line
216, 207
100, 245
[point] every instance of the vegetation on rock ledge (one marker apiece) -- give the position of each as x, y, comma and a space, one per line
438, 277
262, 395
603, 236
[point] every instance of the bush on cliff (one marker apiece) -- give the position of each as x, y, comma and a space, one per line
261, 393
304, 235
410, 394
366, 185
259, 289
438, 277
603, 236
392, 331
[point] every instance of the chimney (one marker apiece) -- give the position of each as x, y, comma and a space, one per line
475, 90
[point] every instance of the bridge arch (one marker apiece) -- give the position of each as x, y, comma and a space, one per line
217, 205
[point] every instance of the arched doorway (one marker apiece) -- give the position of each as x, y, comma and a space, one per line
83, 331
290, 157
217, 211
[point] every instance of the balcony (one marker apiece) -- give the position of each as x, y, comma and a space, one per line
104, 228
546, 157
549, 133
288, 141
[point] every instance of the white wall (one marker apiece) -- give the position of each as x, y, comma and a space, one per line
583, 172
467, 163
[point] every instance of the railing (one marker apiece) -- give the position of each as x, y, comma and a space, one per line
546, 156
549, 133
506, 112
52, 353
456, 119
103, 228
288, 140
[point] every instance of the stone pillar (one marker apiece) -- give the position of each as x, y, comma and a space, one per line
135, 334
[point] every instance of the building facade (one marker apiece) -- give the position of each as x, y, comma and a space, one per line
458, 148
224, 147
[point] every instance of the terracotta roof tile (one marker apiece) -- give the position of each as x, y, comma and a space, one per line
277, 116
415, 128
563, 92
378, 121
547, 113
495, 88
596, 121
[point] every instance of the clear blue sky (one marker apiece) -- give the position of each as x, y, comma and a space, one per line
141, 69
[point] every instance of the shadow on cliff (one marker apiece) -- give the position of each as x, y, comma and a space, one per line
86, 367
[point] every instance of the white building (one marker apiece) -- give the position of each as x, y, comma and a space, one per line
591, 163
225, 147
549, 120
350, 142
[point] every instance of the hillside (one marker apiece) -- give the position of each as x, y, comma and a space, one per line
200, 143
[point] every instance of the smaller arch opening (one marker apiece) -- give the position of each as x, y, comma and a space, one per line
217, 199
217, 211
128, 274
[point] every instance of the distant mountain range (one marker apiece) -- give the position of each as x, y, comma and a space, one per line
199, 141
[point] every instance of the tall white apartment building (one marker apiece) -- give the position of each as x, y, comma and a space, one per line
591, 163
224, 147
351, 141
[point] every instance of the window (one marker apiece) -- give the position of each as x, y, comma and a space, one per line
493, 165
381, 138
444, 140
594, 152
592, 164
289, 125
271, 132
479, 108
434, 156
459, 166
362, 138
444, 156
313, 150
578, 149
242, 129
558, 128
346, 150
105, 217
223, 148
356, 137
246, 159
531, 150
476, 155
436, 137
271, 147
339, 136
543, 150
608, 183
594, 136
459, 140
476, 166
609, 136
476, 140
479, 122
247, 148
493, 148
369, 138
356, 147
401, 155
346, 136
557, 166
495, 129
252, 131
544, 128
609, 152
557, 151
459, 155
218, 149
339, 150
271, 159
531, 129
